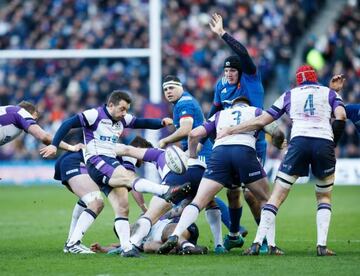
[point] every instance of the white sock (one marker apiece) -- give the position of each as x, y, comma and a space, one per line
122, 228
84, 222
267, 221
143, 225
188, 216
78, 209
187, 244
270, 236
143, 185
323, 218
213, 217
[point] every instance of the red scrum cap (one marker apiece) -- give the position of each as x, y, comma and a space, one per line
305, 73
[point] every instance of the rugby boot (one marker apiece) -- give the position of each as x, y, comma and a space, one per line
78, 248
194, 250
176, 193
168, 245
322, 250
252, 250
274, 250
232, 242
220, 249
132, 253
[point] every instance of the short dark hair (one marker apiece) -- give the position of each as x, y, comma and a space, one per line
140, 142
241, 99
117, 95
171, 78
28, 106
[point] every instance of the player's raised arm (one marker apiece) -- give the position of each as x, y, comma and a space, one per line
247, 65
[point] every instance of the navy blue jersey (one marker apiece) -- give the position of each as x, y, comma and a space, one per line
250, 86
353, 114
188, 106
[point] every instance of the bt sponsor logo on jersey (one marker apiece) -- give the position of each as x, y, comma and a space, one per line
113, 139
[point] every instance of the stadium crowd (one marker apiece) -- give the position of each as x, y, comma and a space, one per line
269, 29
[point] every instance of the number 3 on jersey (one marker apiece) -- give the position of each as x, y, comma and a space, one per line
237, 115
309, 105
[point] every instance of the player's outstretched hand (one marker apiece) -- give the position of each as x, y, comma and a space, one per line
337, 82
167, 121
162, 144
222, 133
216, 24
49, 151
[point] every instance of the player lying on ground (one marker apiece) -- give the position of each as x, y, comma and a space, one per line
158, 206
159, 234
313, 139
232, 157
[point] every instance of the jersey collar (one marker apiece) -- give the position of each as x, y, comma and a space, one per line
108, 114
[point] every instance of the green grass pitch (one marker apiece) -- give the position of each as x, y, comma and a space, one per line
34, 224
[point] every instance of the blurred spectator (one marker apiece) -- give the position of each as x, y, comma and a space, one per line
61, 88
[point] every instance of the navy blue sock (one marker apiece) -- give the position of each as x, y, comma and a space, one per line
225, 217
235, 216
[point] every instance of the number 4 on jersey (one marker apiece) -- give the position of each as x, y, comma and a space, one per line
309, 105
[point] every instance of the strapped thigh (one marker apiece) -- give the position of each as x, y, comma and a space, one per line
325, 184
285, 180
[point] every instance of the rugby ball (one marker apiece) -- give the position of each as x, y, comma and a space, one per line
176, 159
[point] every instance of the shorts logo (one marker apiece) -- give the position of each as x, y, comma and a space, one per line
209, 171
71, 171
329, 170
255, 173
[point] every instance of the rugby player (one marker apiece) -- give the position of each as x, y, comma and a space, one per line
241, 78
310, 106
232, 156
16, 119
102, 129
187, 115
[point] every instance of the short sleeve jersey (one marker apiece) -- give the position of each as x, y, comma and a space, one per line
188, 106
101, 132
232, 117
13, 120
310, 108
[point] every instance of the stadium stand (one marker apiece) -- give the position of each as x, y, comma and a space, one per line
270, 30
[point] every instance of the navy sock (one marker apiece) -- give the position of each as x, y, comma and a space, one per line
235, 216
